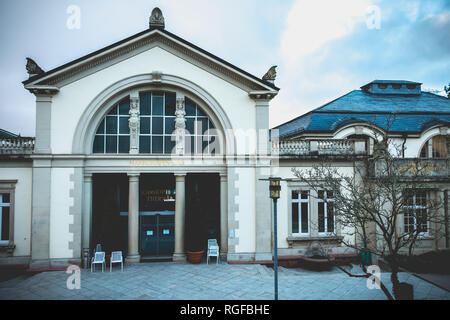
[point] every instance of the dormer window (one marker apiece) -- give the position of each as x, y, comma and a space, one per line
398, 87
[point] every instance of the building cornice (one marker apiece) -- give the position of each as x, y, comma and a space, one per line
139, 43
47, 90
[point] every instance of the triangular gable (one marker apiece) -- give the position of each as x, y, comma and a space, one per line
141, 42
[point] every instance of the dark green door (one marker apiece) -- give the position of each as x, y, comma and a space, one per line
157, 234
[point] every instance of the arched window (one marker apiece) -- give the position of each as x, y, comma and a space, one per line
157, 122
202, 133
113, 133
436, 147
156, 127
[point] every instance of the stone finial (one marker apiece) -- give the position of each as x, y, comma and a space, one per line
33, 68
157, 19
271, 74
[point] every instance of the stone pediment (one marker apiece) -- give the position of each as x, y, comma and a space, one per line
142, 42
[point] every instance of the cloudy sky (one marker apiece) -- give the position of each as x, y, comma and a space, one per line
323, 48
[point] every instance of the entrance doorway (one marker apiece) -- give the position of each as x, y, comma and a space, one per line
202, 210
109, 203
157, 215
157, 196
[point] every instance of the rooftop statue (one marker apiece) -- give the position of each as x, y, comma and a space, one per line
33, 68
271, 74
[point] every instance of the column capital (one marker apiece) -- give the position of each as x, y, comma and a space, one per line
223, 177
88, 177
180, 174
133, 176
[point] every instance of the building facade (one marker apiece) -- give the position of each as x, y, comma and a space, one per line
153, 145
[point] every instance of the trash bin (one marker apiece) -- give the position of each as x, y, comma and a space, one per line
366, 258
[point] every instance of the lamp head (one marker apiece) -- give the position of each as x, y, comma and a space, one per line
274, 187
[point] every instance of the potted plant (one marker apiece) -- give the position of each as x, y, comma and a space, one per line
195, 255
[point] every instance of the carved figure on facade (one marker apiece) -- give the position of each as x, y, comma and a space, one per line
180, 125
33, 68
271, 74
133, 123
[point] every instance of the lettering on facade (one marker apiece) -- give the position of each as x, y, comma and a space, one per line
157, 163
158, 195
413, 168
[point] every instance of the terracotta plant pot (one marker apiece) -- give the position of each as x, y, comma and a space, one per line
195, 256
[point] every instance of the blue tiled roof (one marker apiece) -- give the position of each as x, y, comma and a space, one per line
408, 113
7, 134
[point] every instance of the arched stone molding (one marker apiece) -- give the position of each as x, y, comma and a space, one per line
100, 105
429, 134
370, 130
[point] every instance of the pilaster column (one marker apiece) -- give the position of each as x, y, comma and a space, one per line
133, 123
180, 215
263, 218
223, 216
262, 125
86, 219
43, 123
133, 218
40, 214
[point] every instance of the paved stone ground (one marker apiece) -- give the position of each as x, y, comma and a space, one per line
168, 281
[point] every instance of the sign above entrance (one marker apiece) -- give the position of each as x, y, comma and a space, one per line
157, 163
158, 195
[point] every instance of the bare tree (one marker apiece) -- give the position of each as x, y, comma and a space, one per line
371, 201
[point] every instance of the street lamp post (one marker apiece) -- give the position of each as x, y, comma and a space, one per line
275, 188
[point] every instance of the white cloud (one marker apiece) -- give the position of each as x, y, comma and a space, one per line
310, 27
311, 24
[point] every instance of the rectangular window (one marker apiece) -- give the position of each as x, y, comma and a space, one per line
157, 105
144, 144
415, 213
124, 128
157, 125
325, 210
439, 147
111, 125
99, 144
300, 212
157, 144
4, 217
145, 103
170, 104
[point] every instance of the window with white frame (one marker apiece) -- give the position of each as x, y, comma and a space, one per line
113, 132
300, 212
325, 210
5, 216
415, 214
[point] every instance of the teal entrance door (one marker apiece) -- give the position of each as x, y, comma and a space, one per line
157, 233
